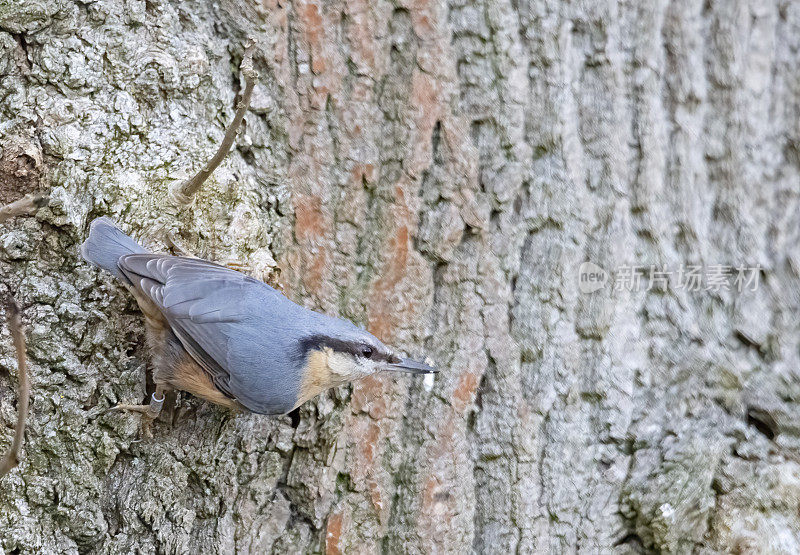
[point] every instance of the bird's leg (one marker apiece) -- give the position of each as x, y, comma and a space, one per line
150, 411
237, 265
180, 249
176, 246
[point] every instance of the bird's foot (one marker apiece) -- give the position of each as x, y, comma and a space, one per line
149, 412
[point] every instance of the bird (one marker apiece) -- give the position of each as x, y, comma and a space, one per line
230, 339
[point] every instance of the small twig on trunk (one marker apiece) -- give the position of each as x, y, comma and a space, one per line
11, 459
26, 206
185, 191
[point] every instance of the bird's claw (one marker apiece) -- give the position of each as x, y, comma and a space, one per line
149, 412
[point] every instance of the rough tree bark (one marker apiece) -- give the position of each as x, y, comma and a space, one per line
437, 172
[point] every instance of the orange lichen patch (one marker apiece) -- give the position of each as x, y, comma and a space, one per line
309, 219
326, 64
383, 309
363, 173
437, 504
465, 391
310, 16
364, 436
318, 65
309, 230
333, 534
369, 444
311, 21
315, 273
421, 18
369, 395
399, 246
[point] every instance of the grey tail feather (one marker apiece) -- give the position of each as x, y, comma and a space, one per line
106, 244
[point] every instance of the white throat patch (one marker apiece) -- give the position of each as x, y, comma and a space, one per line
345, 367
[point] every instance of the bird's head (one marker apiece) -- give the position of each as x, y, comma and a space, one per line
331, 359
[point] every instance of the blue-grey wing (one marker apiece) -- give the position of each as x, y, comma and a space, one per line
220, 317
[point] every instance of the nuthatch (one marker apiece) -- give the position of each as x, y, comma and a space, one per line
231, 339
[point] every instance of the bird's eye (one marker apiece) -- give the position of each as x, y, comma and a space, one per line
366, 352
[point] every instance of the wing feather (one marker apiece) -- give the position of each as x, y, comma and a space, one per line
204, 304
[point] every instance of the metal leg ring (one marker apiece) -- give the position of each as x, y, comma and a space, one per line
156, 404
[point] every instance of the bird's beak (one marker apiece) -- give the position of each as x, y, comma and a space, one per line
412, 366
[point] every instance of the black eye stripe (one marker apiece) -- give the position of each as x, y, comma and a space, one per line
354, 348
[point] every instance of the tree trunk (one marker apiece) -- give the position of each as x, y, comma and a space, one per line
437, 173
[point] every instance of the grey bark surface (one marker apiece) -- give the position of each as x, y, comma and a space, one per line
435, 171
